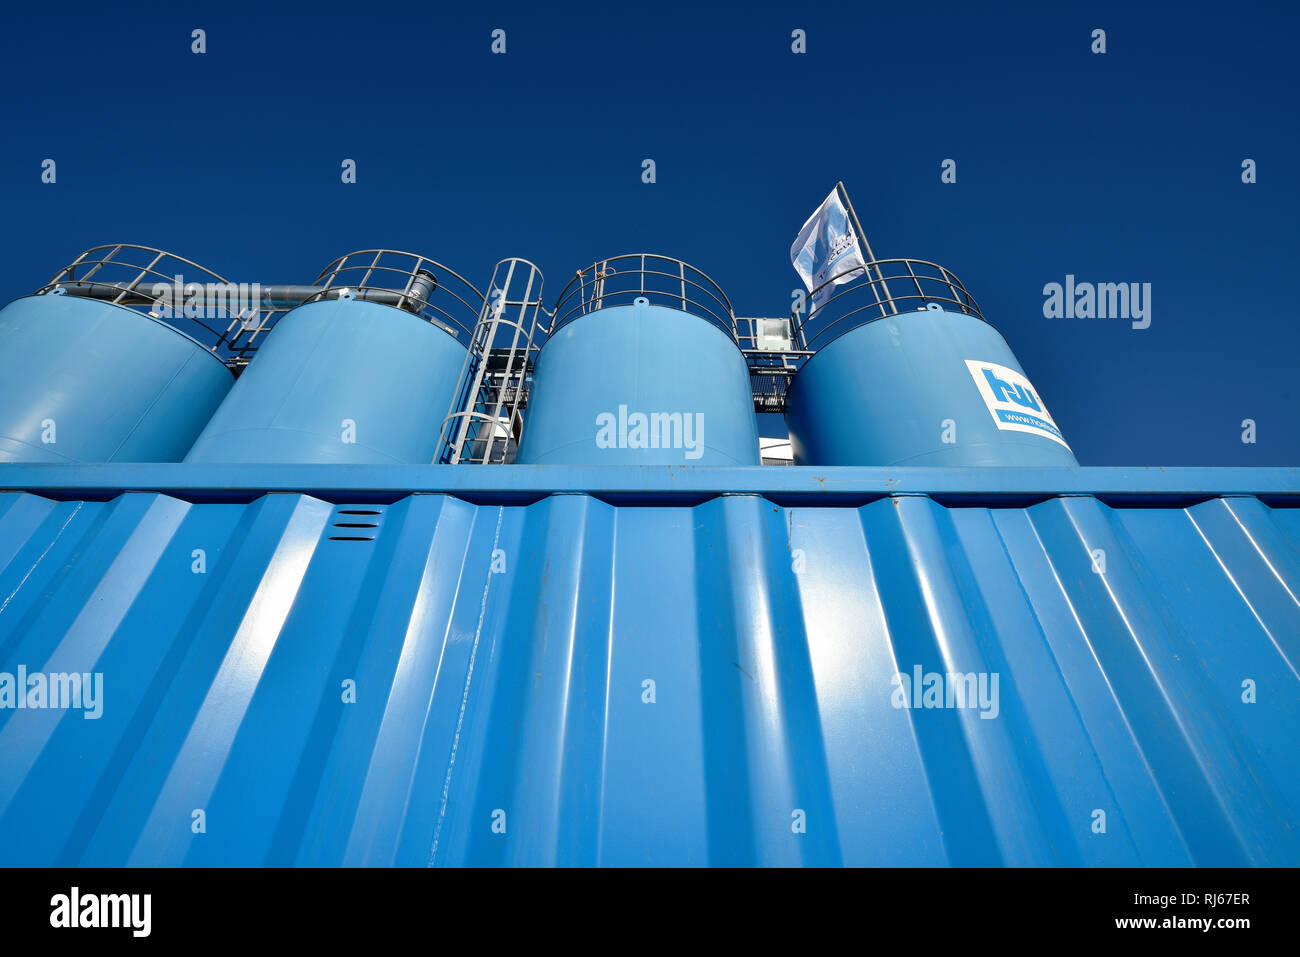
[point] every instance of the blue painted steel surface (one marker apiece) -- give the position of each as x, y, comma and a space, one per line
625, 361
107, 383
389, 373
501, 654
511, 484
885, 393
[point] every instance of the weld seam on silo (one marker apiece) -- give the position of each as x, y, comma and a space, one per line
162, 390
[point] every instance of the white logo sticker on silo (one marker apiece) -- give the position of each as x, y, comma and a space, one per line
1012, 401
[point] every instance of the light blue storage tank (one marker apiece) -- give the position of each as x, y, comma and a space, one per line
640, 384
890, 391
339, 381
89, 381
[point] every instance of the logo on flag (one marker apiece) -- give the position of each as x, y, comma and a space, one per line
826, 248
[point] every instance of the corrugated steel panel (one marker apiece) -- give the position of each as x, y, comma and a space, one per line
500, 653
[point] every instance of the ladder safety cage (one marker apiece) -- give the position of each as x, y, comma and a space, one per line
485, 421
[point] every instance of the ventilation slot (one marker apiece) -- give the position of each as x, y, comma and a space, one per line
360, 529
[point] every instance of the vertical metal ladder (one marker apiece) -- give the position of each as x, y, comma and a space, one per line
484, 423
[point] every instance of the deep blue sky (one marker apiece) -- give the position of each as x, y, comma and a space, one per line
1123, 167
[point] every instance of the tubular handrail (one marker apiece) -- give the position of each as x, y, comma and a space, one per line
663, 280
230, 319
408, 281
159, 283
843, 309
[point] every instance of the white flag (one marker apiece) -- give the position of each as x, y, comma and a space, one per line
827, 246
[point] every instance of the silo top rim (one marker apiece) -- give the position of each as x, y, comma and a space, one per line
877, 290
408, 281
159, 285
657, 279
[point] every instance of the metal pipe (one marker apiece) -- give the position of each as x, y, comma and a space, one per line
276, 296
862, 238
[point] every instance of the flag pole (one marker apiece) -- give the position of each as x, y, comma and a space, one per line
862, 237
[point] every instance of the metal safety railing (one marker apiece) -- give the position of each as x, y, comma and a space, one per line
485, 421
191, 298
232, 319
503, 331
876, 290
409, 281
663, 280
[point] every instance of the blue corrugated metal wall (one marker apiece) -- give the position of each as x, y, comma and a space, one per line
500, 654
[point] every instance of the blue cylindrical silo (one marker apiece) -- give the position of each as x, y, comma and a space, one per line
89, 381
640, 384
339, 380
928, 387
